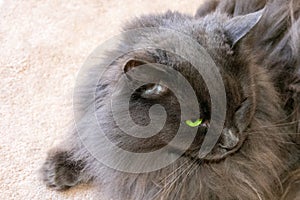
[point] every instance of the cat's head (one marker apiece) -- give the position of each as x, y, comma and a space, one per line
221, 37
250, 134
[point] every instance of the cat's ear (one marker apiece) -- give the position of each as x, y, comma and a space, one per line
149, 91
239, 26
132, 63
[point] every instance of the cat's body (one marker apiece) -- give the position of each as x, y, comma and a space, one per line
261, 72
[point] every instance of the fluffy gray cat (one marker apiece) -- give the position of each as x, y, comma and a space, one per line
255, 45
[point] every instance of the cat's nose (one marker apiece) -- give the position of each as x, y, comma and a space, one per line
229, 138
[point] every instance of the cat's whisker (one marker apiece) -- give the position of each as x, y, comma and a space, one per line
192, 169
255, 75
282, 124
171, 184
175, 171
277, 133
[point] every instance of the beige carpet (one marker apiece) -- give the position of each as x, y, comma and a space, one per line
42, 46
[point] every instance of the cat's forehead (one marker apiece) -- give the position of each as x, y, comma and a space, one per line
207, 31
162, 39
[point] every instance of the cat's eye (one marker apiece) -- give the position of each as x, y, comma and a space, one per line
196, 123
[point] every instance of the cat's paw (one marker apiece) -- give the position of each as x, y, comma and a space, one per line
59, 172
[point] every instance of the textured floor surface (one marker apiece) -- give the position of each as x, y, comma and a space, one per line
42, 46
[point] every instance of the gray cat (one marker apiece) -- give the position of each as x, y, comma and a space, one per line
255, 45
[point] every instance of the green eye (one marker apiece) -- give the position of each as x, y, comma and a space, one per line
193, 124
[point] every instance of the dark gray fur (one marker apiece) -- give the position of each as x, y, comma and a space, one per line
262, 80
